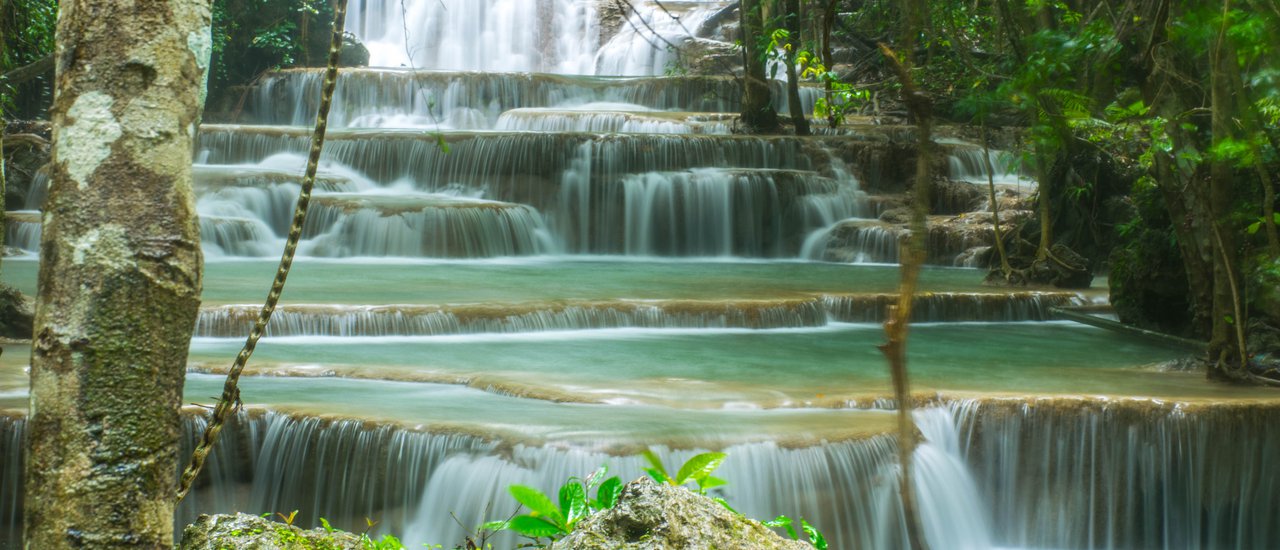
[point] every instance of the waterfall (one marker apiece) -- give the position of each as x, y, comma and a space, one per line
952, 513
409, 320
557, 36
967, 162
22, 230
1078, 473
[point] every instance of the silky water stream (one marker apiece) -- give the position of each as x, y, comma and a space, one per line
596, 266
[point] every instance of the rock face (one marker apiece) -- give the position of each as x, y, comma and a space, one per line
16, 314
245, 532
649, 516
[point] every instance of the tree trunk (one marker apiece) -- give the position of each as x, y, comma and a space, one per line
792, 18
1005, 268
829, 60
758, 116
3, 227
120, 275
1225, 351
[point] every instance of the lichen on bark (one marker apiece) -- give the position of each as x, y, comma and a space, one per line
120, 276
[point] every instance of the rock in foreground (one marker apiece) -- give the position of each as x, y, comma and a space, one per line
649, 516
245, 532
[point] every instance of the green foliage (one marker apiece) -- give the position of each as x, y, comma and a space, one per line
551, 520
1257, 225
387, 542
27, 36
251, 36
697, 470
811, 533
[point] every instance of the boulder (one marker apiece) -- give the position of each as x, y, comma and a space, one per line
650, 516
245, 532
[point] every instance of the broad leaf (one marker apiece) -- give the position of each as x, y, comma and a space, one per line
530, 526
596, 476
608, 493
537, 502
573, 503
699, 467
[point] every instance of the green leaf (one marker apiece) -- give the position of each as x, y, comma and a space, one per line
442, 144
537, 502
530, 526
325, 523
1254, 227
658, 471
573, 503
783, 522
497, 525
596, 476
699, 467
815, 536
607, 495
711, 482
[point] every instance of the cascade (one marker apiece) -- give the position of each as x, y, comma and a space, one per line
531, 251
22, 230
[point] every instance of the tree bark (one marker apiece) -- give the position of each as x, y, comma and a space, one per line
792, 19
1005, 268
758, 116
829, 60
120, 275
1225, 353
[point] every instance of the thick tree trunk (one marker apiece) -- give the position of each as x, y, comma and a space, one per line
792, 18
120, 275
758, 116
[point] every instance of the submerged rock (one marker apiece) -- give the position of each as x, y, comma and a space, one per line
245, 532
652, 516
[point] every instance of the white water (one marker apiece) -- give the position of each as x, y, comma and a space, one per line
557, 36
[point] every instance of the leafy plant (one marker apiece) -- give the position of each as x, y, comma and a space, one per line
697, 470
815, 537
288, 520
548, 519
387, 542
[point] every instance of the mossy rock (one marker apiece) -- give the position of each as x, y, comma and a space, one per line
650, 516
245, 532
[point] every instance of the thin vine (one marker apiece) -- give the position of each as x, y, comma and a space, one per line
229, 402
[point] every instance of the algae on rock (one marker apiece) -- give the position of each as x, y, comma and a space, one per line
650, 516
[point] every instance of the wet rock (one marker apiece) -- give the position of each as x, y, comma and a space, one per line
245, 532
955, 197
17, 314
354, 53
651, 516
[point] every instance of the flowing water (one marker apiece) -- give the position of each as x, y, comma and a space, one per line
532, 252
